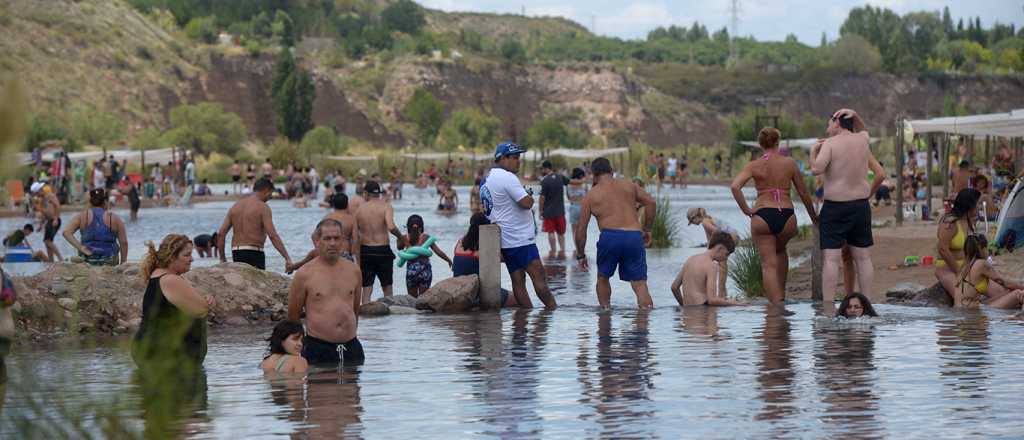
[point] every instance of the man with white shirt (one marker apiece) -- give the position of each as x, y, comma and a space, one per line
508, 205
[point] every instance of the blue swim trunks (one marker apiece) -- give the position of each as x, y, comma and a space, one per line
624, 249
519, 257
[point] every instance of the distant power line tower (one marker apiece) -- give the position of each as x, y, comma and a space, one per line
734, 11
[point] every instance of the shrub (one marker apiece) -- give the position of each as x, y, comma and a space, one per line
745, 270
202, 29
205, 128
403, 16
665, 232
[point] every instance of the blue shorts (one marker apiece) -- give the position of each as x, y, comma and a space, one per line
624, 249
518, 258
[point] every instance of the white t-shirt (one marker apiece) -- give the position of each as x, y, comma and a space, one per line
98, 180
672, 163
500, 193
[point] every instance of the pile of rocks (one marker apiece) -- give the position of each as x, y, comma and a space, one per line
911, 294
453, 295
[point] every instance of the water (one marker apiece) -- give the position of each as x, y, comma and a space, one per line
571, 373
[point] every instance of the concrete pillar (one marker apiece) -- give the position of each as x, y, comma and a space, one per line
490, 267
899, 170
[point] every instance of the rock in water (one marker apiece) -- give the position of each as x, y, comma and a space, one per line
911, 294
399, 300
401, 310
453, 295
903, 292
375, 308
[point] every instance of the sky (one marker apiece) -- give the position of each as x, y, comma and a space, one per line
765, 20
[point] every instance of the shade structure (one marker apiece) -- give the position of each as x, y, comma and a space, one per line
1009, 124
804, 143
152, 156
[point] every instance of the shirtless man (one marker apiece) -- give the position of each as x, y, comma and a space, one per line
347, 222
236, 177
267, 169
52, 223
697, 282
354, 202
327, 289
622, 242
845, 216
374, 220
962, 176
253, 223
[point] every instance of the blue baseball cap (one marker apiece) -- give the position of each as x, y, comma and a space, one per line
507, 148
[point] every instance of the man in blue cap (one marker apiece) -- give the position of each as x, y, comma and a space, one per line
507, 204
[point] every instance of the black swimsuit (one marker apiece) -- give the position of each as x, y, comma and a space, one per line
776, 218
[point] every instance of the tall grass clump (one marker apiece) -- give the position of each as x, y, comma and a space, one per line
665, 232
745, 270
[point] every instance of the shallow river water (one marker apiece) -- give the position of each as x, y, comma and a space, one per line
570, 373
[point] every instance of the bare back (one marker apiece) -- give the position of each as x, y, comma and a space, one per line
246, 218
354, 203
51, 206
614, 202
374, 220
329, 293
845, 159
698, 273
773, 178
347, 221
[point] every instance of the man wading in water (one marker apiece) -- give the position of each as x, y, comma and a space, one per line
327, 289
507, 204
253, 223
845, 217
621, 243
374, 220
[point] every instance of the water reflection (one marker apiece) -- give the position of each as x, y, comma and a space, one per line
625, 370
776, 374
700, 321
324, 404
966, 363
172, 404
844, 365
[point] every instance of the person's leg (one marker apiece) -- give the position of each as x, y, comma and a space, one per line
540, 284
519, 288
948, 279
865, 269
552, 241
765, 242
829, 275
643, 295
52, 252
561, 245
995, 291
604, 292
849, 280
781, 254
1011, 300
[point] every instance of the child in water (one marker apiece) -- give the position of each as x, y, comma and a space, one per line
285, 354
855, 305
418, 273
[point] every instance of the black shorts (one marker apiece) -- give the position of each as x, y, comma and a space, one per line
375, 261
320, 352
845, 222
236, 178
50, 229
255, 259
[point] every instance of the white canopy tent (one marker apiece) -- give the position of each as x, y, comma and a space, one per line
803, 144
995, 124
152, 156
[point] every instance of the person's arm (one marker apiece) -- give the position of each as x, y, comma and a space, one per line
222, 234
354, 244
879, 174
268, 223
711, 285
180, 293
946, 232
737, 190
297, 297
650, 207
309, 257
437, 250
122, 238
677, 288
820, 157
580, 234
1000, 279
357, 295
389, 218
540, 202
69, 235
805, 195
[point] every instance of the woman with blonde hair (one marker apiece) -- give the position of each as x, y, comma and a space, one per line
773, 222
173, 327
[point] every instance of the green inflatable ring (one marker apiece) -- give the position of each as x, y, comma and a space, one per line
414, 252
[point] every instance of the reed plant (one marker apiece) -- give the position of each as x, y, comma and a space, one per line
665, 232
745, 270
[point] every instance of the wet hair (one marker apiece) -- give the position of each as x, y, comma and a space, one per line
282, 331
417, 221
170, 247
768, 137
547, 164
578, 173
328, 222
978, 182
471, 241
965, 200
601, 166
845, 122
28, 227
864, 302
263, 184
724, 239
98, 197
974, 245
339, 201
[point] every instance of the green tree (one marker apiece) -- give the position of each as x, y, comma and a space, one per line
202, 29
470, 128
403, 16
551, 132
148, 139
205, 128
513, 51
320, 141
42, 128
293, 93
854, 54
284, 28
427, 112
96, 127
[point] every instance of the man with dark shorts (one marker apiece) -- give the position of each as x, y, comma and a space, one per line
253, 223
622, 241
507, 204
52, 223
843, 159
552, 207
327, 289
375, 219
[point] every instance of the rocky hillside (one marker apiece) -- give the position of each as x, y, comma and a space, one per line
104, 55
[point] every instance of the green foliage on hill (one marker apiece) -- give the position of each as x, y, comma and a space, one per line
293, 92
469, 128
427, 113
205, 128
